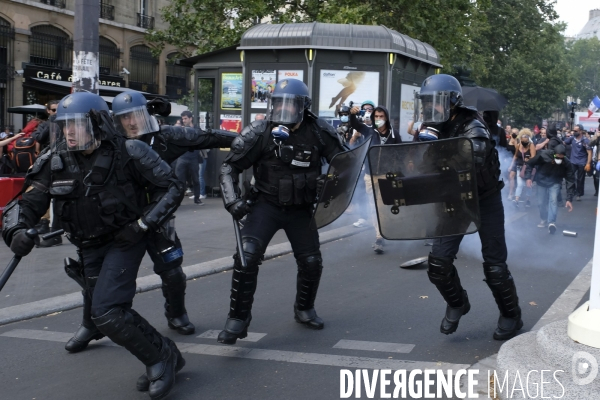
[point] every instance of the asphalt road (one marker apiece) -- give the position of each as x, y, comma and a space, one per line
363, 297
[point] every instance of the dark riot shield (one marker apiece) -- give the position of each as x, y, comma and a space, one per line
425, 190
342, 175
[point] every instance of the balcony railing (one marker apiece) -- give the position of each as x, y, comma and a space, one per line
55, 3
145, 21
107, 11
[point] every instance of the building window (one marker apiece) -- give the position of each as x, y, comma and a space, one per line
107, 11
143, 68
177, 78
7, 38
144, 20
55, 3
110, 55
50, 47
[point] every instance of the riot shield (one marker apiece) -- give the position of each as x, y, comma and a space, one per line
425, 190
342, 175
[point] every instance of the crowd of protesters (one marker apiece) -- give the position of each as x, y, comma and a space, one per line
538, 164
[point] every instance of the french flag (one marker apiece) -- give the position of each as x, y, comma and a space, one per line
594, 106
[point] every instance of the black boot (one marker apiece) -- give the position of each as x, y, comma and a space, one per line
307, 285
444, 276
173, 288
243, 286
159, 354
143, 383
87, 331
502, 285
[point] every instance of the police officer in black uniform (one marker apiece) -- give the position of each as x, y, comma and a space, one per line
443, 110
108, 194
132, 119
285, 152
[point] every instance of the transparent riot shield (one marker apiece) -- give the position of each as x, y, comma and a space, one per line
425, 190
342, 175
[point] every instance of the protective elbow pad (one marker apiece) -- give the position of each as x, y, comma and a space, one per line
229, 184
166, 206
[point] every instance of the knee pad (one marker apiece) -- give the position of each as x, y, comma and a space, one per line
173, 277
441, 266
253, 252
496, 272
310, 266
113, 323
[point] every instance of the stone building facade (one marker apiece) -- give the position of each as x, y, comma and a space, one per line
36, 44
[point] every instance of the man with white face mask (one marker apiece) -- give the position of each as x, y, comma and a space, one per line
552, 167
380, 133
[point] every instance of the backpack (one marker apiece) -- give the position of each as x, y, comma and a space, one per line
23, 153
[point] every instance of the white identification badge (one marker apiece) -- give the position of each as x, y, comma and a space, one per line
301, 163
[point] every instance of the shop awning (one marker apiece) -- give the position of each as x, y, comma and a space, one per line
27, 109
118, 89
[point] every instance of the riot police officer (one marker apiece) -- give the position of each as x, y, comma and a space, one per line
285, 152
444, 112
131, 116
108, 194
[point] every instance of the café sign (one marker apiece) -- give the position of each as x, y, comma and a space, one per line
67, 76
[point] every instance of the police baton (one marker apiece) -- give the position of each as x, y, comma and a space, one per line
12, 265
238, 239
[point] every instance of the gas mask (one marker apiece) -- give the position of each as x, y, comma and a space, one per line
428, 134
280, 134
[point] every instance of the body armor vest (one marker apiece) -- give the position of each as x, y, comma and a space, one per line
288, 175
487, 167
93, 198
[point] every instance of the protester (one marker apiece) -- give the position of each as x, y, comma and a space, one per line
524, 151
381, 134
551, 168
580, 157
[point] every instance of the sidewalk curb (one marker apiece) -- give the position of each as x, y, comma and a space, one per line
73, 300
562, 307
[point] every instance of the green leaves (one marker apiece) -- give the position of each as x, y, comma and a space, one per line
513, 46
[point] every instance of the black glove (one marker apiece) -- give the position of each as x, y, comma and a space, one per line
239, 209
103, 125
21, 244
159, 106
129, 236
320, 184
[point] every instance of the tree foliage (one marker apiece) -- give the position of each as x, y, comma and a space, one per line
514, 46
584, 63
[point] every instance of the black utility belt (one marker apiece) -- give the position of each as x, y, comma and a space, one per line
93, 242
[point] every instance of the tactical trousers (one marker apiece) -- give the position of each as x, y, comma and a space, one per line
491, 234
115, 271
267, 218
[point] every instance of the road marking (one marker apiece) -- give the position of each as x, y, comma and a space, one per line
213, 334
263, 354
374, 346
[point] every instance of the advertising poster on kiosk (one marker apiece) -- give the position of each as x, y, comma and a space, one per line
231, 86
263, 83
407, 102
290, 74
230, 122
342, 87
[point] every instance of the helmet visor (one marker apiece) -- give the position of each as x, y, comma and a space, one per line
76, 130
432, 108
135, 122
285, 109
56, 135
